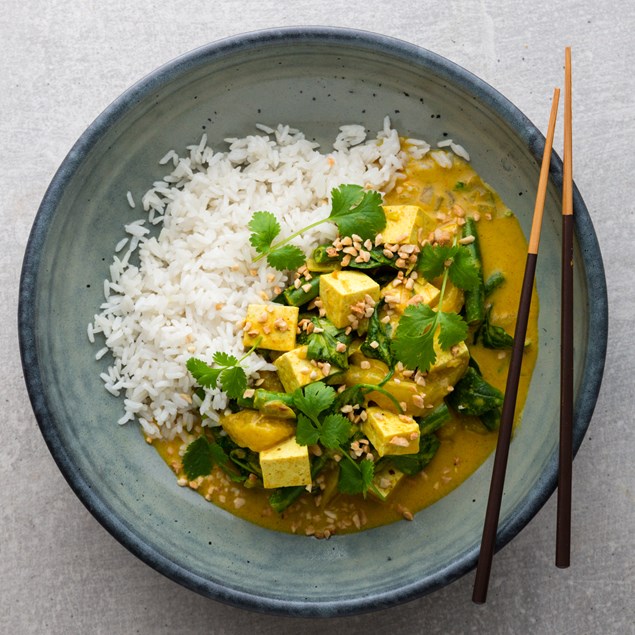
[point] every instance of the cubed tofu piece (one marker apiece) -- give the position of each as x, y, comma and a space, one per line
385, 481
340, 291
256, 431
285, 465
295, 370
391, 433
399, 297
403, 223
275, 324
449, 365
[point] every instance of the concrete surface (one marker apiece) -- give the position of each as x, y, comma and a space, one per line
63, 62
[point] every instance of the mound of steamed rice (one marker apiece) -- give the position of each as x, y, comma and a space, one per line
189, 292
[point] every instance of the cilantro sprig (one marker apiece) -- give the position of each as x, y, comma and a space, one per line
228, 372
318, 423
414, 340
201, 456
353, 209
331, 431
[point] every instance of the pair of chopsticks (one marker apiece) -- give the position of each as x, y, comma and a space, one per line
563, 532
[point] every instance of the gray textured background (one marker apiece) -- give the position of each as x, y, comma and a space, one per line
63, 62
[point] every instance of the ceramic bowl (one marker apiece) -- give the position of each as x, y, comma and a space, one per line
315, 79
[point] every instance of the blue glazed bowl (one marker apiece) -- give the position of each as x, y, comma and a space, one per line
315, 79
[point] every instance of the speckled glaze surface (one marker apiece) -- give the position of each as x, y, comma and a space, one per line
315, 79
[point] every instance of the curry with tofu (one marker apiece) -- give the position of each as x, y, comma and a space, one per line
391, 348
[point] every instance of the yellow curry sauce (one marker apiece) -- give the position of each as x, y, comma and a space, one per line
465, 443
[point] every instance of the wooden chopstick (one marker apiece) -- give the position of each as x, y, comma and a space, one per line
488, 541
565, 465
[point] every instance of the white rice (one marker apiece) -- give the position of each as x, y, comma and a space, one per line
455, 147
190, 289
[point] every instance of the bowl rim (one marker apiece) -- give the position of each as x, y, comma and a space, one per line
27, 318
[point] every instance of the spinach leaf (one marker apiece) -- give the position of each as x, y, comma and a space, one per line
323, 342
412, 464
377, 342
472, 395
492, 336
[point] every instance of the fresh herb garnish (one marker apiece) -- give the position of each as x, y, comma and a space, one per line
201, 456
333, 431
356, 477
413, 343
228, 372
456, 260
353, 209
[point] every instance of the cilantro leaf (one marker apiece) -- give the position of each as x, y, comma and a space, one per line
224, 359
218, 455
432, 260
264, 228
205, 375
452, 329
350, 479
286, 257
314, 399
306, 433
355, 477
357, 211
233, 381
229, 373
367, 468
413, 343
335, 431
464, 270
197, 460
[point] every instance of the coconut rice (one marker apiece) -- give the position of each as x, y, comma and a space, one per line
188, 293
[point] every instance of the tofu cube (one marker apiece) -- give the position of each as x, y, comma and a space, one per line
386, 480
274, 323
399, 297
403, 223
449, 365
253, 430
295, 370
391, 433
340, 291
285, 465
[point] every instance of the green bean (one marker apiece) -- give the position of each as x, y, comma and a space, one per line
302, 295
321, 257
493, 282
437, 418
474, 298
